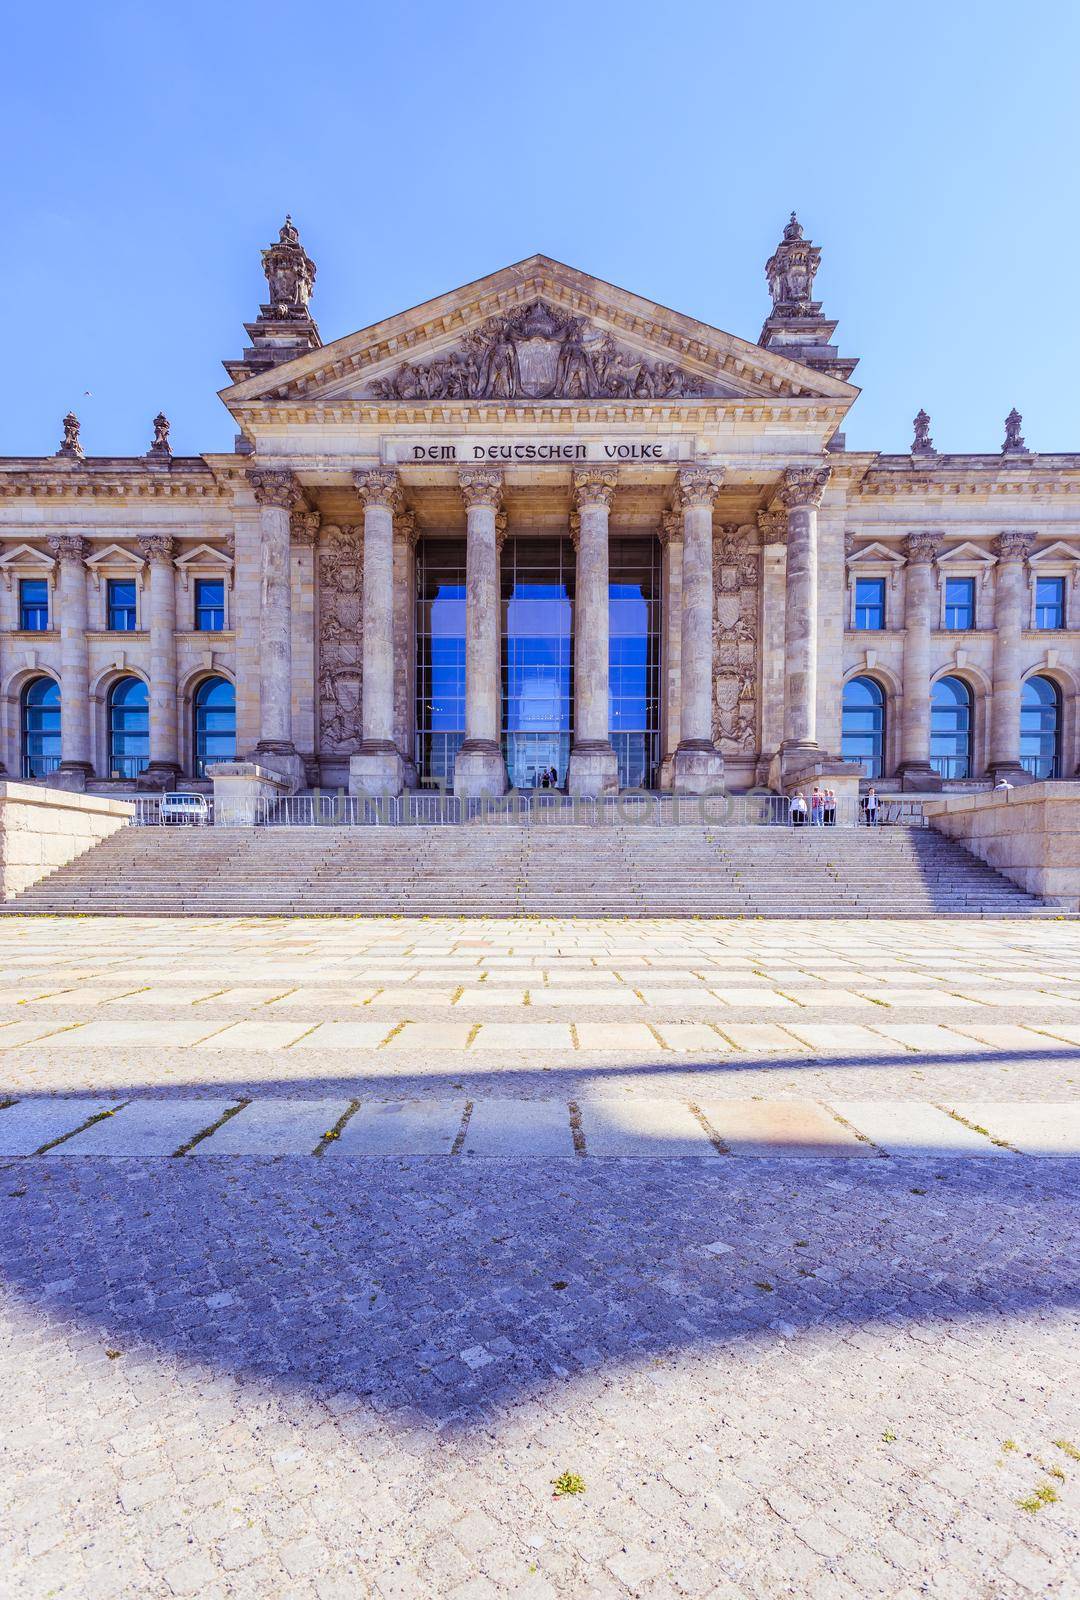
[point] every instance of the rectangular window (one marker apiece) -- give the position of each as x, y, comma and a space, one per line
34, 605
1049, 602
869, 603
209, 604
959, 603
121, 605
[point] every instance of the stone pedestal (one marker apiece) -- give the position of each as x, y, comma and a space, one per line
239, 786
480, 771
376, 771
283, 763
698, 766
593, 768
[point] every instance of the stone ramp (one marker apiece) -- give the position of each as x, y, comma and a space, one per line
508, 870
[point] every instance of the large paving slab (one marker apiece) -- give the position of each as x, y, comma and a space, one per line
29, 1124
401, 1128
273, 1127
905, 1128
146, 1128
1035, 1130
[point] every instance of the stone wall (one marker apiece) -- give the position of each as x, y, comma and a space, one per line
43, 829
1032, 835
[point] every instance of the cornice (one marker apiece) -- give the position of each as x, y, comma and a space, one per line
109, 477
465, 413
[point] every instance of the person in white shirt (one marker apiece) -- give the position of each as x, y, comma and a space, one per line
798, 809
871, 807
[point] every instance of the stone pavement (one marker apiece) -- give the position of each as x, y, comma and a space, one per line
762, 1231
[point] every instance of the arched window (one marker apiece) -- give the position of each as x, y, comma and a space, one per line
215, 723
129, 728
1040, 728
950, 728
40, 728
863, 725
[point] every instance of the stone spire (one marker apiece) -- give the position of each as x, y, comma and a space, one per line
284, 328
796, 327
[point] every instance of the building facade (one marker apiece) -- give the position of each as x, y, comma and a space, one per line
541, 530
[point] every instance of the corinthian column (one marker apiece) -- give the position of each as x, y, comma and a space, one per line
277, 493
801, 493
670, 535
76, 764
1010, 610
157, 551
699, 766
593, 766
480, 769
376, 767
915, 768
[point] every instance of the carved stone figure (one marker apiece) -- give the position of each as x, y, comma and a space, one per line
736, 605
790, 273
341, 632
1014, 439
70, 445
922, 444
161, 446
290, 273
538, 353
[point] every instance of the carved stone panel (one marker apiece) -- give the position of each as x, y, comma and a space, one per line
736, 667
341, 633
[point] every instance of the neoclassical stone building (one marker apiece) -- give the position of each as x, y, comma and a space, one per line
541, 529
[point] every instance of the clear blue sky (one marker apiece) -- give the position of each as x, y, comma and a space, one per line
151, 150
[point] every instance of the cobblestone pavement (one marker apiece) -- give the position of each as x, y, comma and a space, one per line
359, 1374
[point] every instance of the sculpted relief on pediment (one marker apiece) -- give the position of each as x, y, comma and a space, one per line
540, 353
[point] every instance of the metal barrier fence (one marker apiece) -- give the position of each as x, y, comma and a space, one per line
541, 808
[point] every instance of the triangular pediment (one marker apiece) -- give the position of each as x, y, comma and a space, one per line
876, 555
26, 557
966, 554
538, 332
1054, 554
114, 555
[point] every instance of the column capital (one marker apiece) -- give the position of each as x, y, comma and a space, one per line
69, 547
1014, 544
304, 527
380, 486
159, 547
502, 524
922, 548
594, 486
275, 487
405, 525
670, 530
772, 526
698, 486
804, 486
481, 486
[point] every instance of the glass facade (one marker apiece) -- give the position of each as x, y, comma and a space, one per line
120, 604
129, 728
209, 604
634, 657
863, 726
1049, 602
538, 658
215, 723
1040, 728
34, 605
40, 728
959, 603
440, 658
869, 603
950, 728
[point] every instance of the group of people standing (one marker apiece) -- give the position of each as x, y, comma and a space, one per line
820, 810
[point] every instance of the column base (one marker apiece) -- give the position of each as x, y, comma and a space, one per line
479, 771
665, 776
281, 759
918, 777
698, 768
593, 769
376, 769
159, 775
1012, 770
71, 775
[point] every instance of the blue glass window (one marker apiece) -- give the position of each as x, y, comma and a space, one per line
959, 603
129, 728
634, 658
34, 605
215, 723
209, 604
869, 603
1040, 728
121, 605
863, 725
1049, 602
40, 728
440, 658
950, 728
538, 658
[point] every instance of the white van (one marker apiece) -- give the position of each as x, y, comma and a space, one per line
185, 810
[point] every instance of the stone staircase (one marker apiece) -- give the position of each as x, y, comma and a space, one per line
541, 871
